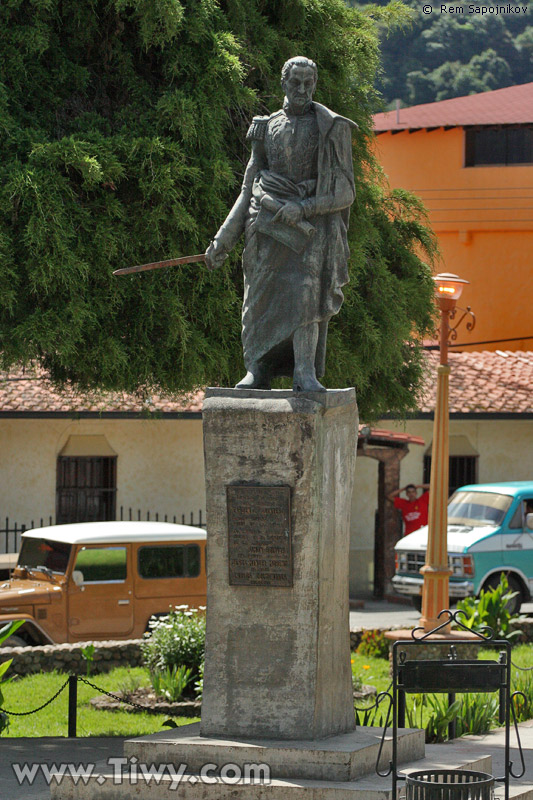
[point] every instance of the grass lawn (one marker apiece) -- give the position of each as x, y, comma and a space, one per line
375, 671
30, 692
372, 671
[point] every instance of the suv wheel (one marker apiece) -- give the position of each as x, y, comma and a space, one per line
416, 600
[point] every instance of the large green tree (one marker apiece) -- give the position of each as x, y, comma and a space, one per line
122, 131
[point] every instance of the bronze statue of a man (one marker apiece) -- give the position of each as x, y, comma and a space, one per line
293, 209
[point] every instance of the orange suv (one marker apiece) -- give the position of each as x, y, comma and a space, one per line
101, 580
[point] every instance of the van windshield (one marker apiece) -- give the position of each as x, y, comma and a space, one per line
44, 553
477, 508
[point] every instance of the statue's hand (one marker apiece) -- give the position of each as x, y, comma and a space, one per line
291, 213
216, 254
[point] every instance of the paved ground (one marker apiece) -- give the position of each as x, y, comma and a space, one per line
86, 751
377, 614
48, 751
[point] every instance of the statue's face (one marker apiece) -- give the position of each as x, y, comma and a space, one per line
299, 87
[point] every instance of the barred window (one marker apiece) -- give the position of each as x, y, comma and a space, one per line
463, 470
86, 488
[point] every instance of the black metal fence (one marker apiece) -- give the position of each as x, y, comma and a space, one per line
11, 532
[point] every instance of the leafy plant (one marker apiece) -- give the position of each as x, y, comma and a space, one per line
440, 716
5, 633
171, 682
373, 643
87, 653
472, 713
129, 684
478, 714
175, 640
199, 684
375, 716
491, 609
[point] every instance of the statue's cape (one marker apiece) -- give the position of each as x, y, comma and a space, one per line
326, 118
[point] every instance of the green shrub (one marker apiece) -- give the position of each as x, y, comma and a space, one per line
473, 713
373, 643
5, 633
176, 640
490, 609
478, 714
171, 682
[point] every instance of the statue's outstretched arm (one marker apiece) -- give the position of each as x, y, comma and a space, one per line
233, 226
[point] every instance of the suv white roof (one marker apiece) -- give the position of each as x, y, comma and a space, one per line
117, 532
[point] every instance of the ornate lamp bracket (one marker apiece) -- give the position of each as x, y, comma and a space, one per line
470, 325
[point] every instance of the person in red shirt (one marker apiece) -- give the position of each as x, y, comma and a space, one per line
414, 510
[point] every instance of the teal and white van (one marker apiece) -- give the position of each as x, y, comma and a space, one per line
489, 532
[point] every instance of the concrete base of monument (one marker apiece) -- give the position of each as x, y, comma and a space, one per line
339, 767
279, 474
338, 758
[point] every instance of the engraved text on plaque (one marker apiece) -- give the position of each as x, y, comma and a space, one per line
259, 535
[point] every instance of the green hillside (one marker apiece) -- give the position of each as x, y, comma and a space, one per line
474, 48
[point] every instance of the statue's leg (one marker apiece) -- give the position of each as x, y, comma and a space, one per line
257, 377
305, 340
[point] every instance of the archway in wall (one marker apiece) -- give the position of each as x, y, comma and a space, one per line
388, 448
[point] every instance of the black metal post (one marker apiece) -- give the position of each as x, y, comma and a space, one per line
452, 726
401, 709
72, 705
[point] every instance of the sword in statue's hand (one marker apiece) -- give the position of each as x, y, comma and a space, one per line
171, 262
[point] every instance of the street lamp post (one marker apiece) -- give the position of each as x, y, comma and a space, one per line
436, 572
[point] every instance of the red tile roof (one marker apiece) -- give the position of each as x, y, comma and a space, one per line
484, 382
480, 382
510, 106
380, 434
31, 391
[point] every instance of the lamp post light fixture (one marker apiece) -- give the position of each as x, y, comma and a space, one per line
436, 572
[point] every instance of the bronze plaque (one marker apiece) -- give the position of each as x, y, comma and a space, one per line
259, 535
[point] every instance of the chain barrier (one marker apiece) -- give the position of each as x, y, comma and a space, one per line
35, 710
83, 680
114, 696
522, 669
378, 701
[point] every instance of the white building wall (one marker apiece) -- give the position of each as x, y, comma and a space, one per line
160, 465
505, 450
160, 468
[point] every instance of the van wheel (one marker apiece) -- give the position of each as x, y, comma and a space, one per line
416, 600
513, 607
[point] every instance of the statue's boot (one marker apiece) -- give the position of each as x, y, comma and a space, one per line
306, 382
305, 340
257, 377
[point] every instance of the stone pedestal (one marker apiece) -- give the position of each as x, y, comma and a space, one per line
277, 646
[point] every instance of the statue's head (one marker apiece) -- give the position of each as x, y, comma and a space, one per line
298, 81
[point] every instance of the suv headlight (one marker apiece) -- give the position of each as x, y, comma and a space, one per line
401, 561
461, 566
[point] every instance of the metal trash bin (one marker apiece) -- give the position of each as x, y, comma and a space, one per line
449, 784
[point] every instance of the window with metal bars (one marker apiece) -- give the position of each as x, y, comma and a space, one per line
463, 470
86, 488
501, 146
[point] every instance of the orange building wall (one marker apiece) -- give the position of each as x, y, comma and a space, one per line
483, 218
